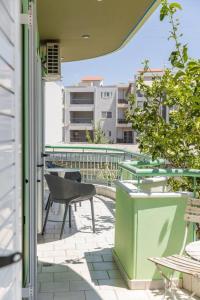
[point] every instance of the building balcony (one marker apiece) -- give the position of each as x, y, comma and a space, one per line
81, 121
81, 101
123, 123
81, 107
125, 141
81, 126
122, 103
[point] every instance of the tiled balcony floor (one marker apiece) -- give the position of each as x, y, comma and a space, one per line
80, 266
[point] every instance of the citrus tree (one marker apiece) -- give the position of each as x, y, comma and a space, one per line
177, 140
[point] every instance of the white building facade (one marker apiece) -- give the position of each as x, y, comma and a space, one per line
90, 105
53, 95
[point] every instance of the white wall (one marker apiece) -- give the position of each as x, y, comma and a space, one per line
53, 112
108, 105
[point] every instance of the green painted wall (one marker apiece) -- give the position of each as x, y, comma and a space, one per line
147, 227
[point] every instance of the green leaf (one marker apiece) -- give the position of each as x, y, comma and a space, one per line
163, 12
175, 6
179, 74
185, 53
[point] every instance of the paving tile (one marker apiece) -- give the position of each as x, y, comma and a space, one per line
54, 286
107, 257
133, 295
46, 247
99, 275
50, 267
69, 296
93, 258
81, 285
45, 296
45, 277
108, 284
105, 266
46, 259
114, 274
99, 295
63, 276
51, 253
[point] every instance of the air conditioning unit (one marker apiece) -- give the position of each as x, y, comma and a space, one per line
53, 62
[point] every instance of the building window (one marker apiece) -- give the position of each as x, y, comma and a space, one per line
63, 134
106, 114
63, 115
106, 95
139, 94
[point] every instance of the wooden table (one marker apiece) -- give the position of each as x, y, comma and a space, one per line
193, 250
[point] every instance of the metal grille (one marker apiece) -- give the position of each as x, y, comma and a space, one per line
53, 59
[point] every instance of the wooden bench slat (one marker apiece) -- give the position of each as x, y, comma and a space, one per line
193, 210
167, 262
186, 263
194, 201
192, 218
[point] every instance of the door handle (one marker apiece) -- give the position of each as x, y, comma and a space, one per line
40, 165
10, 259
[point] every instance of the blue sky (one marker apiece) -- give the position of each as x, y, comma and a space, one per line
150, 42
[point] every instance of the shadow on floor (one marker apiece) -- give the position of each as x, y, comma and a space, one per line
59, 281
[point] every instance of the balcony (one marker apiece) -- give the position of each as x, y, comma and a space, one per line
125, 141
81, 121
122, 122
122, 103
81, 264
82, 98
81, 101
80, 124
79, 135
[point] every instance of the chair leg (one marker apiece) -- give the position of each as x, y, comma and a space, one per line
70, 216
168, 283
92, 212
64, 219
46, 206
47, 213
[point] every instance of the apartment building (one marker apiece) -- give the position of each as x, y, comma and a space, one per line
53, 95
91, 104
148, 77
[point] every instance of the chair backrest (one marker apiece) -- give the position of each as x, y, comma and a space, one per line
54, 173
62, 189
76, 176
192, 213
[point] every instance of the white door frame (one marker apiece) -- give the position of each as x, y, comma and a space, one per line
33, 155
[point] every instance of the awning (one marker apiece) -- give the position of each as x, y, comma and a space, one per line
90, 28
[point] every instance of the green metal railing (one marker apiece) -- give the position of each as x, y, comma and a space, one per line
104, 164
97, 164
148, 168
